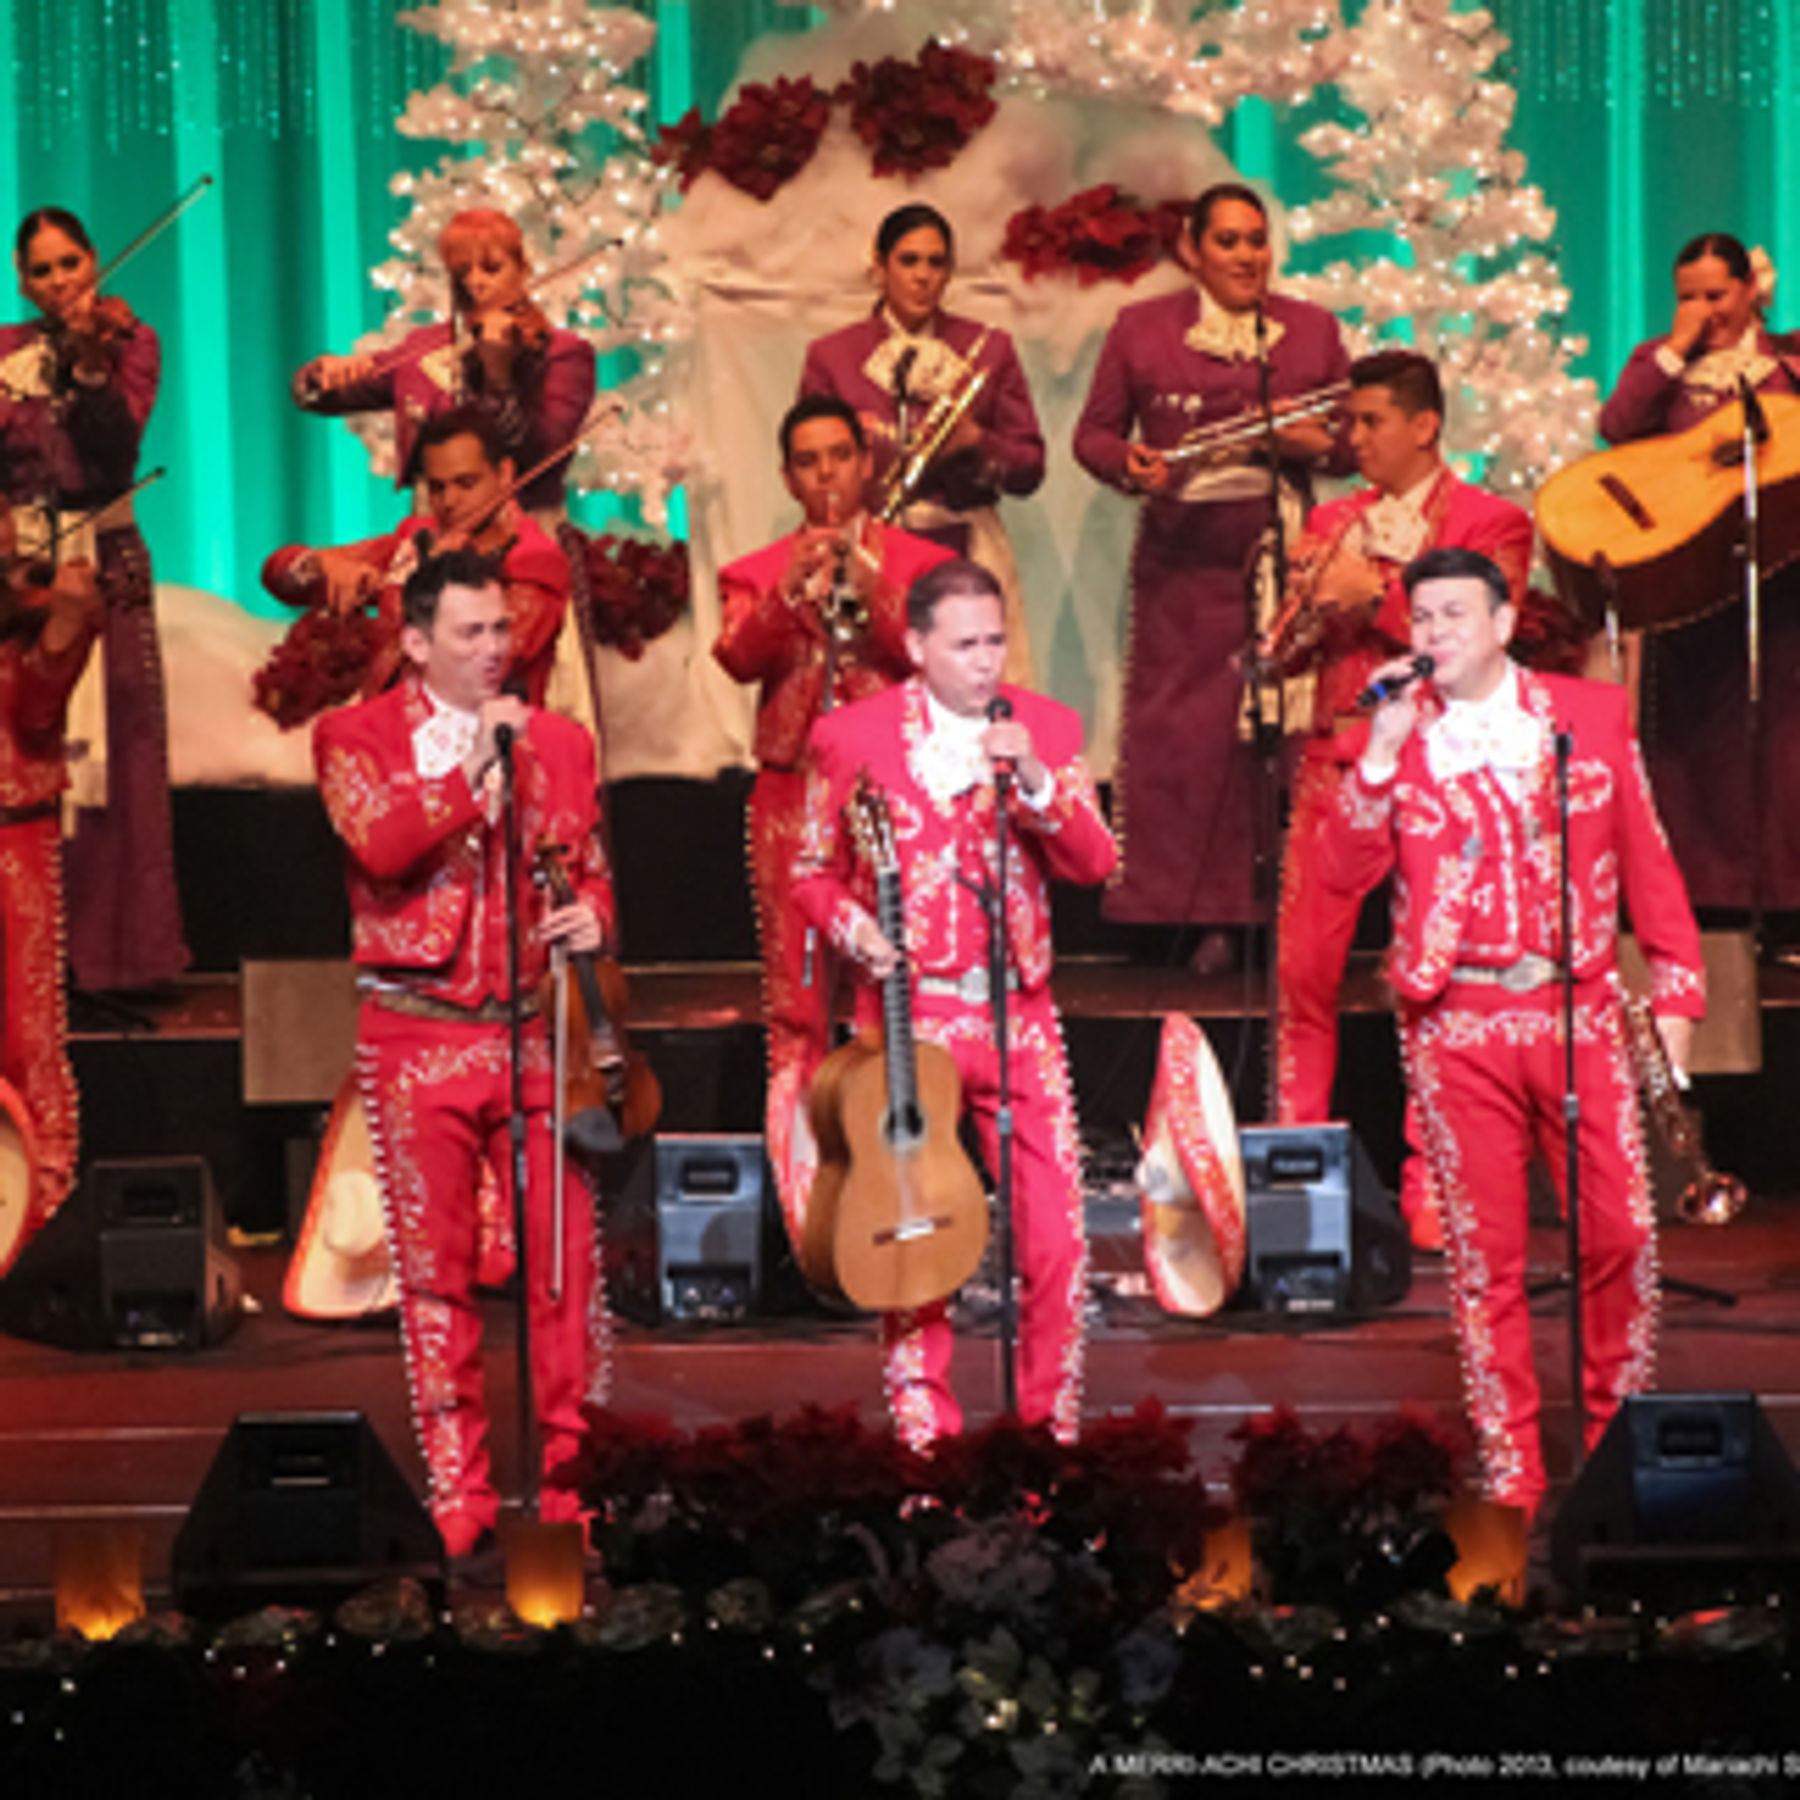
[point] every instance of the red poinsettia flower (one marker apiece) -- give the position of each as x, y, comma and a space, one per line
919, 115
637, 589
769, 133
1099, 234
686, 147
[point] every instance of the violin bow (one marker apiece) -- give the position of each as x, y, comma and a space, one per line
96, 514
156, 227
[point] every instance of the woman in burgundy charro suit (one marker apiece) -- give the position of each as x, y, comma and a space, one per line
909, 353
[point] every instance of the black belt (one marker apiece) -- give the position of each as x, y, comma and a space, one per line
29, 815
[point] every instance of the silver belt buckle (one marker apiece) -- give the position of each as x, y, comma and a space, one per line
972, 986
1526, 975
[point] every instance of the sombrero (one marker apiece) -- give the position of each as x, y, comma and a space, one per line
340, 1267
1191, 1177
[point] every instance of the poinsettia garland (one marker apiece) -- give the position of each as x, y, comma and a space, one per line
637, 589
1100, 234
914, 116
324, 660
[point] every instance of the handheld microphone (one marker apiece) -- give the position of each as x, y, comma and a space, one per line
503, 741
1755, 418
999, 709
1390, 685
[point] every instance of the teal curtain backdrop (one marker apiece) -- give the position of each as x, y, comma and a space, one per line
1645, 121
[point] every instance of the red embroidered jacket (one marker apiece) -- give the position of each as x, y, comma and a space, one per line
534, 571
946, 933
1356, 641
764, 639
35, 685
424, 860
1475, 874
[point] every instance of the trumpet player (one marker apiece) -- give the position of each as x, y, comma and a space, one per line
920, 377
816, 618
1345, 612
1183, 794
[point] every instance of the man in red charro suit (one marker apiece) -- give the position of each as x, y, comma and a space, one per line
1349, 560
778, 607
929, 747
1456, 793
458, 457
45, 638
411, 783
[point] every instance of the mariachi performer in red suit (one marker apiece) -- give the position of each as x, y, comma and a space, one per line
1184, 792
816, 618
1346, 613
910, 356
930, 747
1456, 793
411, 783
1695, 681
339, 649
45, 636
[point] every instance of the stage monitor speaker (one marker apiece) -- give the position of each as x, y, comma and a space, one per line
1685, 1498
684, 1228
135, 1259
1324, 1236
300, 1509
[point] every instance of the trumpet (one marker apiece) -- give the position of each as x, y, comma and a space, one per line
947, 411
1225, 435
1710, 1198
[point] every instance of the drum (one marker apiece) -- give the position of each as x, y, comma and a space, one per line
1191, 1177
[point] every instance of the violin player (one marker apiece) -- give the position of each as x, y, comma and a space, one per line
77, 385
936, 747
815, 619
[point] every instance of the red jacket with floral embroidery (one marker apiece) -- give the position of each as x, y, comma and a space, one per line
766, 640
1476, 874
946, 933
424, 860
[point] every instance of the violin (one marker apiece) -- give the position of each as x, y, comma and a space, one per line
610, 1093
523, 325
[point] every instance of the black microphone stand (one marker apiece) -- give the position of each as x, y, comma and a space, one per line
1268, 732
1571, 1104
991, 896
1755, 431
515, 1028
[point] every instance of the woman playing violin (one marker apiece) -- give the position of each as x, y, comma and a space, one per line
1183, 795
76, 387
910, 353
1694, 680
498, 353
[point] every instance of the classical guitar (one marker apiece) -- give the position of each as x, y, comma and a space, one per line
1662, 517
611, 1092
898, 1217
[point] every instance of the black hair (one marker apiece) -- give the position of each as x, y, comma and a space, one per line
458, 421
425, 585
1729, 250
1201, 211
817, 406
1410, 378
57, 216
1454, 563
958, 576
915, 216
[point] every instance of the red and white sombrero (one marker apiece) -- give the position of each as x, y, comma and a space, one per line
18, 1175
1191, 1177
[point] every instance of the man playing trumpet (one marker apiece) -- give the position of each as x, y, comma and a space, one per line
1346, 612
816, 618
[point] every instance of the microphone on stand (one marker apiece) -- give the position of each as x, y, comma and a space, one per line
1390, 685
902, 399
1755, 419
503, 741
1000, 709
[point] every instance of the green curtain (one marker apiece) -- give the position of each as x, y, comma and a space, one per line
1645, 121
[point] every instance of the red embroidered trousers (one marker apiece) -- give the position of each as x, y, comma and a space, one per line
1317, 928
1049, 1236
1486, 1070
796, 1017
437, 1096
34, 1054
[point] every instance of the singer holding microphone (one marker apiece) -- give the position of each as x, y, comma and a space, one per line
935, 746
1183, 797
1456, 794
815, 619
411, 782
1695, 678
911, 364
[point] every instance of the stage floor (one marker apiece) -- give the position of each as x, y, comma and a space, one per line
128, 1436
